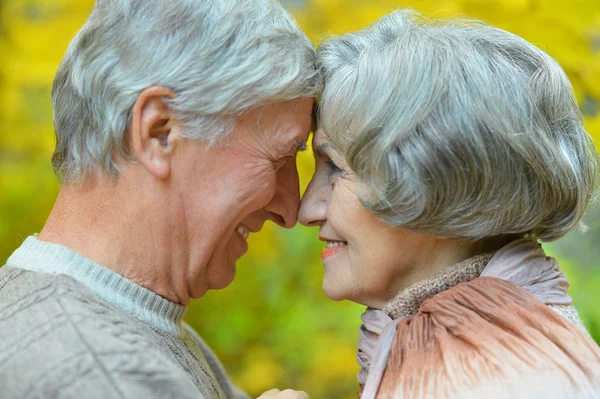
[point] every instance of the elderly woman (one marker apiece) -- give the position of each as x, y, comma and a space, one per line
444, 152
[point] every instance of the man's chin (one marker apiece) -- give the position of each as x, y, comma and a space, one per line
223, 276
223, 284
221, 267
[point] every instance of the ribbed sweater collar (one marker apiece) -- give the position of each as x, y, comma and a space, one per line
124, 294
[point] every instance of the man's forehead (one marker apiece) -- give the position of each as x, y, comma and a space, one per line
292, 126
297, 137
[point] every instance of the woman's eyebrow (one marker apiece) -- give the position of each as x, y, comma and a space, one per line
320, 150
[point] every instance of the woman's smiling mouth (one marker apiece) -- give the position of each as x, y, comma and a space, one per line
332, 248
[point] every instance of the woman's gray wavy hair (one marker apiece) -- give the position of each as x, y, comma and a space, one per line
221, 58
458, 128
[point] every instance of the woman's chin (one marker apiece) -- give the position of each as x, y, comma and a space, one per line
334, 291
338, 293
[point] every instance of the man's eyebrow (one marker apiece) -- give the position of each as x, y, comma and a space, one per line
298, 145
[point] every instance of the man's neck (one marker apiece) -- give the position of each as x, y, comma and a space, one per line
94, 220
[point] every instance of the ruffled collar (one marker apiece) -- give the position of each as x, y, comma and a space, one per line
407, 303
522, 262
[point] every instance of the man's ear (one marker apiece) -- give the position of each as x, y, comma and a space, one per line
151, 136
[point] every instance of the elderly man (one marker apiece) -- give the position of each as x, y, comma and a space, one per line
177, 126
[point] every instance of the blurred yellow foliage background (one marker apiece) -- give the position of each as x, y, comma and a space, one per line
273, 327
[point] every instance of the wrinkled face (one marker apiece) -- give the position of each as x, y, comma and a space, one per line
365, 260
232, 189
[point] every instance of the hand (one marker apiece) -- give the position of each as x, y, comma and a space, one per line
287, 394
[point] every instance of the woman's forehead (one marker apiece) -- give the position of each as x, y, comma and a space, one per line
320, 136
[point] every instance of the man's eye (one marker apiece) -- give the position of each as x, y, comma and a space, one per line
282, 162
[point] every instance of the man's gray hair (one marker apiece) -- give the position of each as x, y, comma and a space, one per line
459, 129
220, 57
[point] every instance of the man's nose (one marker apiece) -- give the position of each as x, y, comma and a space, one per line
283, 208
313, 208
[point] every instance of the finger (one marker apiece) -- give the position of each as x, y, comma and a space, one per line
270, 392
291, 394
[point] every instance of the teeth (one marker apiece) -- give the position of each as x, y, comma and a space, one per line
331, 244
243, 232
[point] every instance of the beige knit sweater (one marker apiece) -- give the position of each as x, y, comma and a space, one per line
70, 328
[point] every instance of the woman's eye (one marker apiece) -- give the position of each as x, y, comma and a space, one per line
332, 166
334, 170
